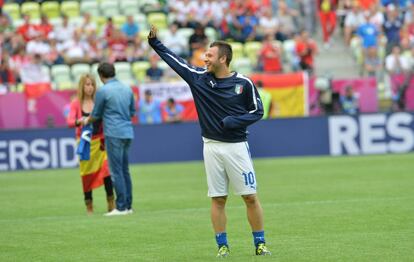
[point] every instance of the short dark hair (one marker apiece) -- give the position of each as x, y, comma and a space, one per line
224, 49
106, 70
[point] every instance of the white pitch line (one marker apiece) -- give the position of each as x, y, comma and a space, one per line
138, 212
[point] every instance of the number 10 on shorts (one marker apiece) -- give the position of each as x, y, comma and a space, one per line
249, 179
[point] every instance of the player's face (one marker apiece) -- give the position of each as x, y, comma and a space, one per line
211, 59
88, 88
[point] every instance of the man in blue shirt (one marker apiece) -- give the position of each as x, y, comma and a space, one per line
149, 109
130, 29
368, 33
226, 102
115, 105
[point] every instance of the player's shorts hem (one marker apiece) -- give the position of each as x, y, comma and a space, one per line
217, 195
244, 193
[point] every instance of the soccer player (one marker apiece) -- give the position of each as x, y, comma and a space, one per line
227, 102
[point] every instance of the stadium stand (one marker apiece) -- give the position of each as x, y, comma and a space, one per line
247, 21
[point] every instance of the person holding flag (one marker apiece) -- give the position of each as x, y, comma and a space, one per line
93, 164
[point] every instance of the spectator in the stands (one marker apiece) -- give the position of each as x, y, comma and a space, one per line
7, 76
45, 28
353, 20
130, 28
368, 33
216, 12
393, 23
96, 50
54, 57
268, 24
117, 46
175, 42
88, 26
183, 11
349, 102
149, 109
27, 29
286, 17
108, 29
75, 50
138, 51
38, 45
64, 32
372, 62
18, 60
327, 15
11, 43
154, 73
6, 25
173, 111
270, 55
306, 49
198, 40
201, 11
246, 27
376, 17
396, 63
309, 18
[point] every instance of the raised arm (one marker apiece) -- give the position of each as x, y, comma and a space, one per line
184, 70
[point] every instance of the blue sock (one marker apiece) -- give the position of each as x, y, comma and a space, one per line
258, 237
221, 239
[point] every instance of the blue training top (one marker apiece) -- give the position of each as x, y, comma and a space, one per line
225, 106
114, 104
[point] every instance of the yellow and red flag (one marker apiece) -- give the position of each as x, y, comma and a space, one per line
94, 171
289, 93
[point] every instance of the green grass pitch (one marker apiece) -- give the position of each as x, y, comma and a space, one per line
316, 209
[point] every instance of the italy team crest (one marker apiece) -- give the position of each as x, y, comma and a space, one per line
238, 89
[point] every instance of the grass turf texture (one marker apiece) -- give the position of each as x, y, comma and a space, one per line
316, 209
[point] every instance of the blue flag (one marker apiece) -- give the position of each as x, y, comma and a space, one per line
84, 147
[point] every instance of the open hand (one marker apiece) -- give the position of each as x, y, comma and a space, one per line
153, 32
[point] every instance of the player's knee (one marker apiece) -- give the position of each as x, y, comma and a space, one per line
250, 200
219, 201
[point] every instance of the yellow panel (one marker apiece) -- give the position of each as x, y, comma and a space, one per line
287, 102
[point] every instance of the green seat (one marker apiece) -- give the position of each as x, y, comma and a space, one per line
251, 49
139, 70
129, 7
90, 7
69, 85
30, 8
13, 10
141, 19
61, 75
143, 34
109, 8
185, 33
242, 65
119, 20
50, 9
77, 70
211, 34
237, 48
123, 70
70, 8
158, 19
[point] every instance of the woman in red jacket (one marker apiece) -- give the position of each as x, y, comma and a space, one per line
94, 172
327, 14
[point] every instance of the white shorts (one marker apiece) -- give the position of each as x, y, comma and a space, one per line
228, 163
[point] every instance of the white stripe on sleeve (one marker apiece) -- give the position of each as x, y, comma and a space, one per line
186, 66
